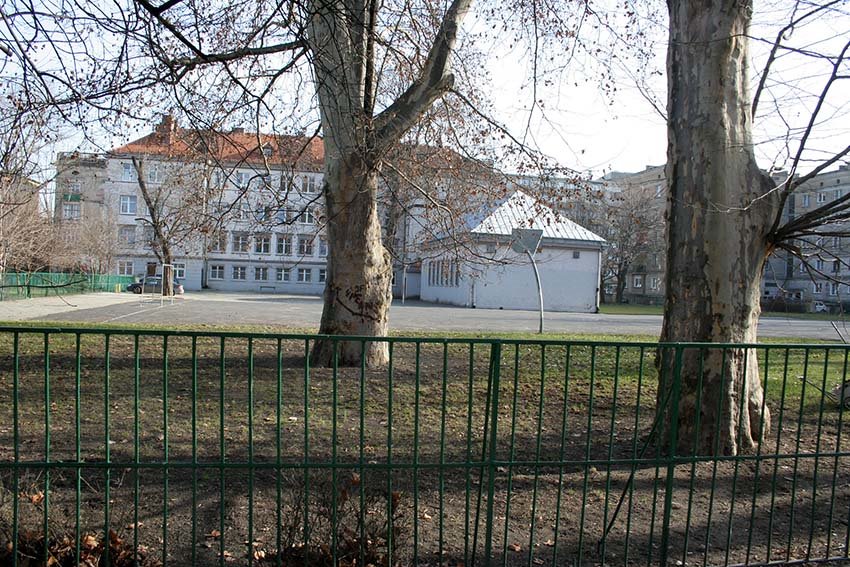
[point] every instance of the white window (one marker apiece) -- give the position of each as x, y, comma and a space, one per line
128, 172
73, 186
323, 275
637, 282
218, 242
836, 242
125, 268
833, 288
71, 211
654, 283
261, 274
241, 179
282, 274
821, 197
240, 242
836, 266
180, 270
819, 264
154, 174
305, 245
127, 204
308, 184
323, 247
239, 273
127, 235
307, 217
216, 272
262, 243
836, 194
576, 254
817, 287
305, 275
806, 201
148, 236
491, 248
284, 245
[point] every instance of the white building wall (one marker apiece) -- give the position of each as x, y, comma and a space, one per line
569, 284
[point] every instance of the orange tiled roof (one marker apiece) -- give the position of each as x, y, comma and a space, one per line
231, 148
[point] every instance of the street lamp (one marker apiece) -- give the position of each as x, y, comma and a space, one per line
528, 240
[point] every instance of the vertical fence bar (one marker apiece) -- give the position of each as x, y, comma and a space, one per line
165, 450
738, 442
716, 452
361, 451
758, 461
222, 455
277, 435
416, 386
467, 468
485, 440
77, 446
106, 448
136, 442
46, 500
587, 453
251, 469
694, 452
673, 450
612, 426
495, 373
391, 499
641, 355
16, 441
306, 527
776, 452
806, 361
537, 449
334, 443
817, 453
836, 459
512, 457
194, 450
442, 475
562, 454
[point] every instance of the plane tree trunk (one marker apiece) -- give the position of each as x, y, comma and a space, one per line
720, 211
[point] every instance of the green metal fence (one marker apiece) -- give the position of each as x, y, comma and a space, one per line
24, 285
156, 447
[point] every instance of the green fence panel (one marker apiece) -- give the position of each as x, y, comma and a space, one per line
23, 285
152, 447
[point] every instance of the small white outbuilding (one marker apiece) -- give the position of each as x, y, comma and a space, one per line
491, 275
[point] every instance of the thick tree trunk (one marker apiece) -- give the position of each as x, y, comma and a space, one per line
359, 278
719, 214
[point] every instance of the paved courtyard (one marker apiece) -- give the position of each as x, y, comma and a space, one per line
303, 312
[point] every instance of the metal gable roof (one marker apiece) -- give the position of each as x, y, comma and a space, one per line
522, 211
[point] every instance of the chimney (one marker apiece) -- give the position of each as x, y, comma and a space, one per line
166, 127
237, 131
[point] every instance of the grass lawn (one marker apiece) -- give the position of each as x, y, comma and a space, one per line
291, 459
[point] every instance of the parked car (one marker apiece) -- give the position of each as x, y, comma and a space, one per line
820, 307
153, 284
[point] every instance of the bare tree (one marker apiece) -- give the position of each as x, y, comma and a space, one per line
725, 214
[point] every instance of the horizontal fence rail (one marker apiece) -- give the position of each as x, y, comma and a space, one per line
157, 447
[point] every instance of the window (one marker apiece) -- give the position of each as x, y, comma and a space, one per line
268, 151
240, 273
836, 266
836, 242
491, 248
806, 200
241, 179
240, 242
308, 184
654, 283
305, 245
282, 274
261, 274
216, 272
148, 236
127, 235
833, 288
819, 264
323, 247
262, 243
218, 242
576, 254
637, 282
323, 275
821, 197
180, 270
836, 194
127, 204
128, 172
305, 275
307, 217
74, 187
284, 245
125, 268
817, 287
71, 211
154, 174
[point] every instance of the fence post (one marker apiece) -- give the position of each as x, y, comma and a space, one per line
672, 450
495, 370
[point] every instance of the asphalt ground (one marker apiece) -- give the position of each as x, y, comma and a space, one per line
303, 313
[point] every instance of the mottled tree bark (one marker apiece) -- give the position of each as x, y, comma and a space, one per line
720, 210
